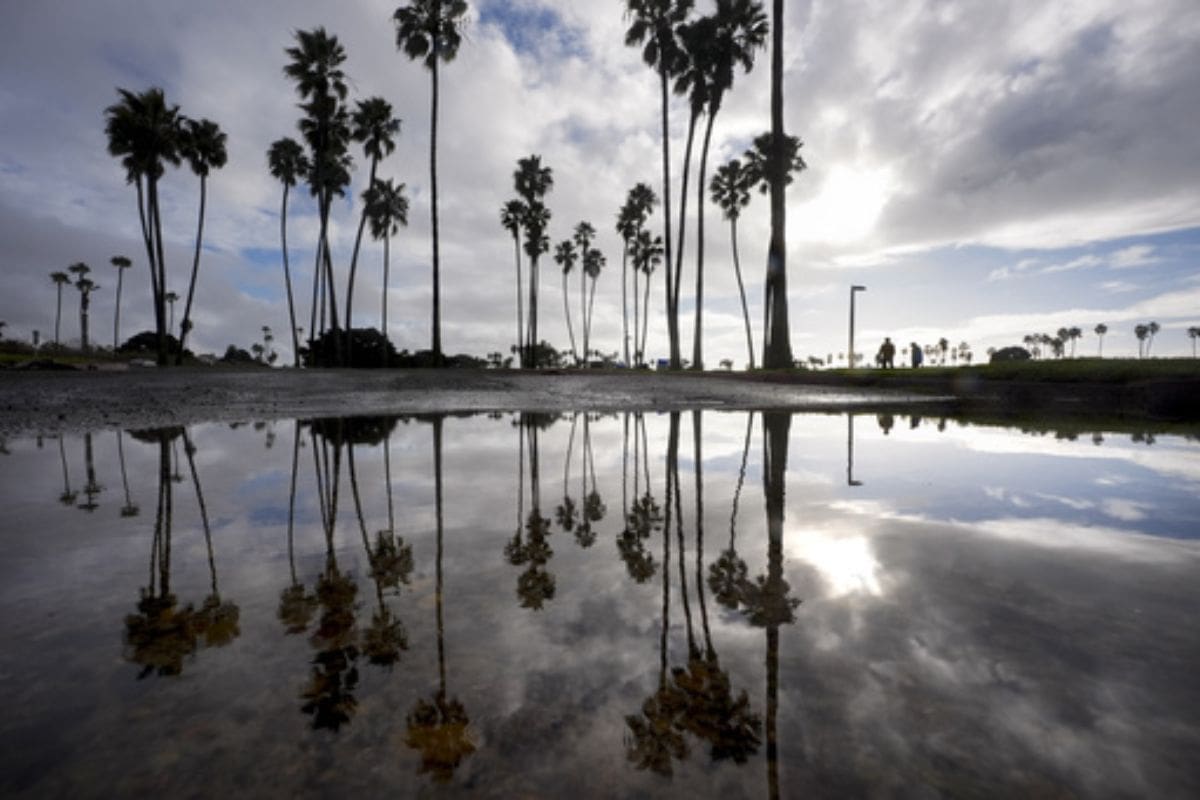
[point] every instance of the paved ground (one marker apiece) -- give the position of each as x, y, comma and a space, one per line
48, 402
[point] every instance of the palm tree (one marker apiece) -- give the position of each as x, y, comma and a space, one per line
583, 236
1141, 332
374, 126
653, 28
386, 209
565, 257
431, 30
1153, 329
648, 254
287, 163
777, 346
85, 287
145, 132
315, 66
1073, 333
121, 263
1100, 330
593, 265
60, 280
740, 30
171, 297
511, 215
730, 190
203, 145
1193, 334
639, 204
532, 181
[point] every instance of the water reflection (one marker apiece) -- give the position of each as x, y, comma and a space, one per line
399, 589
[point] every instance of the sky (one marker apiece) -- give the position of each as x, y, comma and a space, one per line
986, 170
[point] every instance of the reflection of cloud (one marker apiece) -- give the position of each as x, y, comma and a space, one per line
844, 559
1057, 534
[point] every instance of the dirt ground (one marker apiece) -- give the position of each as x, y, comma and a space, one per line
49, 402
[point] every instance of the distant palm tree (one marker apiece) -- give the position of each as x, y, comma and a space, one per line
653, 27
1193, 334
60, 279
431, 30
1073, 333
288, 163
565, 257
386, 210
648, 254
511, 215
583, 235
374, 126
639, 204
943, 346
730, 190
171, 297
593, 265
85, 286
145, 132
740, 29
203, 145
1153, 329
121, 263
1141, 332
1100, 330
532, 181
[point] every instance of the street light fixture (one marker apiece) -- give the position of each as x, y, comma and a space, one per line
853, 289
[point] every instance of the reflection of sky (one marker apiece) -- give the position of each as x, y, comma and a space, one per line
989, 611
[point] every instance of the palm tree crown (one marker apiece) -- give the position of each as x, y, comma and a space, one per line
144, 132
428, 30
203, 145
387, 208
287, 161
730, 188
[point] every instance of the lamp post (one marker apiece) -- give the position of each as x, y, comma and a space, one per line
853, 289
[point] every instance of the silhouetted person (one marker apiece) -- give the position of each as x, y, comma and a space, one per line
887, 354
917, 355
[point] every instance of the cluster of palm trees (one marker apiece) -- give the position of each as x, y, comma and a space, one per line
528, 214
698, 57
147, 134
1040, 344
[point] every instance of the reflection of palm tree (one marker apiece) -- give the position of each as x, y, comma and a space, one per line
565, 513
288, 163
728, 573
296, 604
531, 546
439, 728
67, 498
160, 635
91, 488
593, 504
642, 518
130, 508
217, 622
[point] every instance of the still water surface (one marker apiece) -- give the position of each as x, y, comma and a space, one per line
534, 605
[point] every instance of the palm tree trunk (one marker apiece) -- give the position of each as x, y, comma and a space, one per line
58, 314
117, 313
437, 484
387, 255
697, 338
287, 278
672, 315
291, 524
520, 300
587, 325
646, 319
567, 311
533, 320
437, 285
637, 352
187, 306
737, 270
583, 303
625, 301
148, 240
83, 320
189, 450
362, 224
160, 311
698, 471
677, 278
777, 347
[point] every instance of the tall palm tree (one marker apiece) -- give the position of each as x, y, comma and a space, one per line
316, 67
777, 346
593, 265
740, 30
1193, 334
387, 210
730, 190
511, 215
639, 204
653, 28
145, 132
626, 229
532, 181
1153, 329
85, 286
648, 254
60, 280
1100, 330
431, 30
121, 263
374, 126
583, 235
565, 256
1141, 331
287, 163
203, 145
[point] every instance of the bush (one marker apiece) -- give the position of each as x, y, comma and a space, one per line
146, 344
1009, 354
367, 348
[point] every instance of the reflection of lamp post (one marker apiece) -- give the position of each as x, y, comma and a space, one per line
853, 289
850, 452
